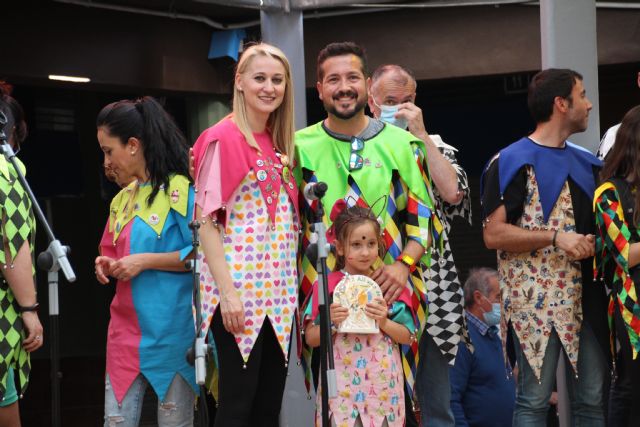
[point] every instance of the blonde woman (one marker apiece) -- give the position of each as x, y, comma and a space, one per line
247, 205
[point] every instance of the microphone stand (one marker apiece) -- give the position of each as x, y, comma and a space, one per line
53, 259
197, 353
327, 367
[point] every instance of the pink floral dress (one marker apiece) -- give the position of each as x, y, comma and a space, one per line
369, 375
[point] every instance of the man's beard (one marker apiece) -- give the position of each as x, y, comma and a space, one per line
360, 104
580, 125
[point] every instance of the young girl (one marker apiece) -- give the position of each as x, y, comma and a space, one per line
368, 366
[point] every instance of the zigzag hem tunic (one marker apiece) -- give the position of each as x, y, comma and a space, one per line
253, 195
545, 188
151, 324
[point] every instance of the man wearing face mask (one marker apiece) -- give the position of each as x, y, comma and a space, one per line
481, 394
392, 100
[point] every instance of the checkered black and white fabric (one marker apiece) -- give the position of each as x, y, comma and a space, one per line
446, 321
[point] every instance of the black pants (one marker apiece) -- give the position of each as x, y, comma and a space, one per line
249, 397
624, 396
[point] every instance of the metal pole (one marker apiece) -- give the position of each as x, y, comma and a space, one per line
568, 36
285, 30
568, 40
56, 375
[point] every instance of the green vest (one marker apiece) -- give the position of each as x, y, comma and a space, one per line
391, 149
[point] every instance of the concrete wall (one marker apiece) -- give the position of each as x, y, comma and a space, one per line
112, 48
463, 41
129, 50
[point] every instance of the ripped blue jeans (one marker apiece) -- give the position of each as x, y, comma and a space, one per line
175, 411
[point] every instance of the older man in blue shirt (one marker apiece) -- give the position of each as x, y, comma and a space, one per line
482, 394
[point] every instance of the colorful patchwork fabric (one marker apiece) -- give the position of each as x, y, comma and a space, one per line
541, 290
151, 323
18, 227
393, 167
613, 240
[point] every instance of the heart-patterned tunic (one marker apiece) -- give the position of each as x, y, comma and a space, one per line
254, 196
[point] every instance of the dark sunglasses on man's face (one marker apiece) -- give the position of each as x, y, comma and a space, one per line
355, 159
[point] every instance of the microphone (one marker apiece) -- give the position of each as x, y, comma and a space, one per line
314, 190
312, 253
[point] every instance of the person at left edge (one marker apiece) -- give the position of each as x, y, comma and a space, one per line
247, 206
145, 242
20, 327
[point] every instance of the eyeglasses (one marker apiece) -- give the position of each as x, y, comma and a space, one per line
355, 159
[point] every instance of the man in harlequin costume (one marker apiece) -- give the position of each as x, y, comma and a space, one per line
20, 328
363, 158
536, 197
392, 99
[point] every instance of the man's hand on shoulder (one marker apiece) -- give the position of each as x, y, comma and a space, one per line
392, 279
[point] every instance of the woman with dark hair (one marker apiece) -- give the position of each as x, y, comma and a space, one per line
20, 328
617, 211
143, 247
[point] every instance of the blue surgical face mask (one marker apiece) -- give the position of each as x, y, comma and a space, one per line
387, 115
492, 318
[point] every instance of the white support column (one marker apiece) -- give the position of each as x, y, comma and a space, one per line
285, 30
568, 37
568, 32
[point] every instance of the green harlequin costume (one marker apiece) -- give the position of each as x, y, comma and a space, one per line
17, 226
394, 166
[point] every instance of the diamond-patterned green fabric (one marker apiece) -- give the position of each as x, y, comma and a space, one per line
17, 226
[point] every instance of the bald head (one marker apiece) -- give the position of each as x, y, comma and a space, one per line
391, 84
396, 73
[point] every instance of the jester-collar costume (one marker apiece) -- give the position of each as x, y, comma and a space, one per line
253, 195
18, 227
368, 368
614, 205
151, 317
545, 188
394, 167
